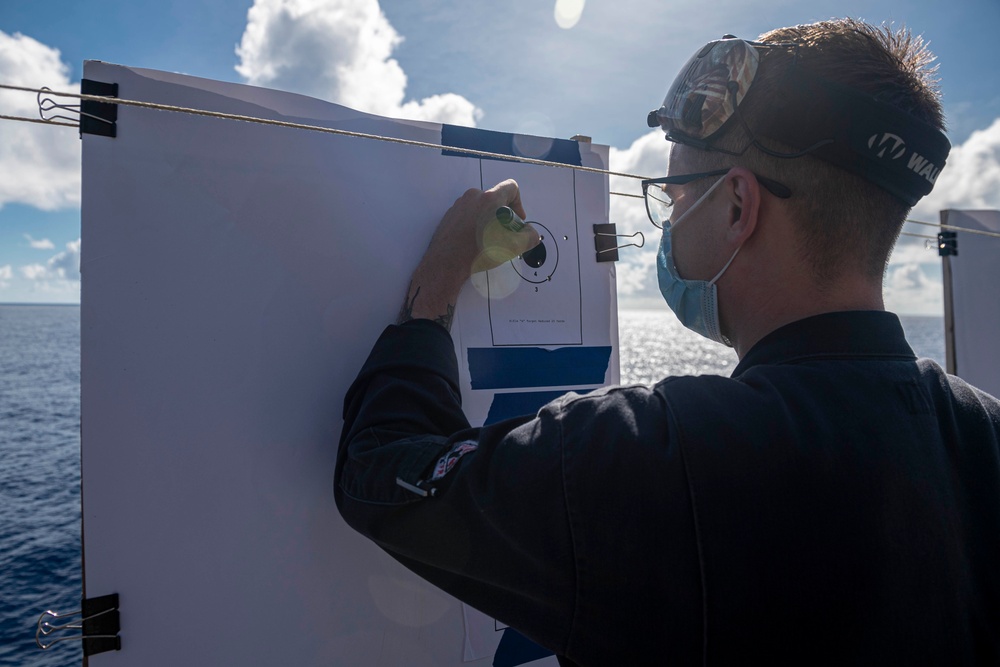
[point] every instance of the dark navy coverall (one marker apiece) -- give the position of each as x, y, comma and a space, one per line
836, 501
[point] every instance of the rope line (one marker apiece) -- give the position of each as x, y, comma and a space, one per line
317, 128
919, 236
363, 135
981, 232
41, 121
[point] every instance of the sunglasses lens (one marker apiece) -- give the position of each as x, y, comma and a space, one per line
710, 86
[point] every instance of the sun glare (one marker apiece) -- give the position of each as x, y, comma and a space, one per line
568, 12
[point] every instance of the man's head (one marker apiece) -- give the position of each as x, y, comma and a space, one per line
845, 221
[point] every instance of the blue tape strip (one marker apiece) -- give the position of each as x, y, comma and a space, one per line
505, 406
516, 367
565, 151
516, 649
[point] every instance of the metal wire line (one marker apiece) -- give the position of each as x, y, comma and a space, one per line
364, 135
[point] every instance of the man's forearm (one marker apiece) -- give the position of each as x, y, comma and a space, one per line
430, 296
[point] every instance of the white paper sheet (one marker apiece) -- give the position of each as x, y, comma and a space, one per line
235, 277
974, 300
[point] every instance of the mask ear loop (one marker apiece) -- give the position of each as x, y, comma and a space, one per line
695, 205
736, 252
723, 270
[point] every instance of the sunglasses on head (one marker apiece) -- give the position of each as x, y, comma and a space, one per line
813, 115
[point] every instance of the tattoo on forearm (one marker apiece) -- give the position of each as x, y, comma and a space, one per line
406, 311
445, 320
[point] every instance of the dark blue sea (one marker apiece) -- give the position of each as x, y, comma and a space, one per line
39, 477
40, 450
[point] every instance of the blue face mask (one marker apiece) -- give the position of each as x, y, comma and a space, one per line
694, 302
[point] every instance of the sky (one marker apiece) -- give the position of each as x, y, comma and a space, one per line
548, 67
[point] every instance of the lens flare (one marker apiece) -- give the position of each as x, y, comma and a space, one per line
568, 12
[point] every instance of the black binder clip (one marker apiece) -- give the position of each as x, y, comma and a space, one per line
99, 623
605, 239
947, 244
94, 117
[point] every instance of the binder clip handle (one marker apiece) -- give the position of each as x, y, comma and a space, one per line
605, 239
98, 622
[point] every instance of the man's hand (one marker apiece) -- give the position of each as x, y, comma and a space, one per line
469, 239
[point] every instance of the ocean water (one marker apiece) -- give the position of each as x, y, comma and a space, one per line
39, 477
653, 345
40, 450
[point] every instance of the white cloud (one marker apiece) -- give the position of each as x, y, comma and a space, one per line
636, 270
445, 108
6, 273
40, 165
34, 271
61, 268
908, 289
338, 50
970, 179
915, 251
905, 276
67, 264
40, 244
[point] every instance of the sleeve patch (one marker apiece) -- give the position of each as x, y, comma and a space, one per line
448, 461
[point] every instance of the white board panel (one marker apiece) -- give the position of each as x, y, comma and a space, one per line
974, 298
235, 277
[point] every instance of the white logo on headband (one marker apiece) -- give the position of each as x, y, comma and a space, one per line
896, 148
889, 142
921, 166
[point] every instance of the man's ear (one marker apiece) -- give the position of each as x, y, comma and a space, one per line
744, 194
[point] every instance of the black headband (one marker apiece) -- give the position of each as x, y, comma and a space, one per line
856, 132
813, 115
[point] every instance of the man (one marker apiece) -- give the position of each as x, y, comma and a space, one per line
835, 501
